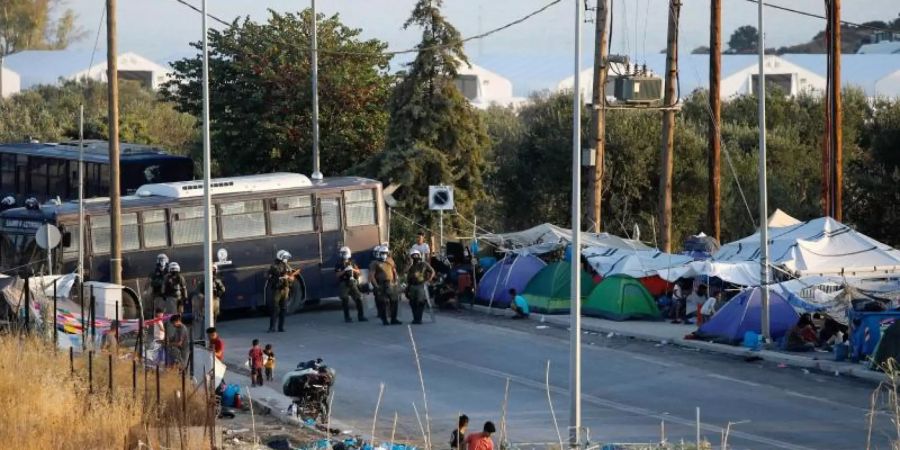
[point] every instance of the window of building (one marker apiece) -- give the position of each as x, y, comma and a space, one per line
468, 85
331, 213
243, 219
154, 223
187, 225
291, 214
360, 207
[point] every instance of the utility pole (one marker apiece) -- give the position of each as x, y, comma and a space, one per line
598, 110
207, 194
115, 200
836, 112
575, 440
317, 173
715, 119
763, 187
667, 157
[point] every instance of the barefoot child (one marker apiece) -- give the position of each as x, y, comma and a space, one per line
270, 361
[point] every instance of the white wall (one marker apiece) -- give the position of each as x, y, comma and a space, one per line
11, 83
128, 62
803, 80
889, 86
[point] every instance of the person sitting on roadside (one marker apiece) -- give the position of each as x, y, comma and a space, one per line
832, 332
695, 300
518, 305
802, 336
482, 441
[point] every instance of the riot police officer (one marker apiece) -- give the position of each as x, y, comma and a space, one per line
158, 280
218, 291
419, 273
281, 277
175, 290
348, 281
383, 276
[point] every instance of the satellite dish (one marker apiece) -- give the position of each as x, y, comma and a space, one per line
48, 236
440, 198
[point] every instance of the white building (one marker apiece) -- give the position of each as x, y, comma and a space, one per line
886, 42
484, 88
10, 83
889, 85
36, 67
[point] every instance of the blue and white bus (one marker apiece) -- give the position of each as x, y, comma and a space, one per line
254, 217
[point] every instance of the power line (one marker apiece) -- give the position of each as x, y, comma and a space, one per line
416, 49
817, 16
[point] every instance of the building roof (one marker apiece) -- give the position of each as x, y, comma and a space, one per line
36, 67
493, 88
880, 47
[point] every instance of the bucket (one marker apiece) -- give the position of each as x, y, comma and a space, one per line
751, 340
841, 352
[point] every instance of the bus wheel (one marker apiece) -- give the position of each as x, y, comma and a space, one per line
297, 298
131, 306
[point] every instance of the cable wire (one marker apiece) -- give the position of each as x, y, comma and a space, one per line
808, 14
96, 39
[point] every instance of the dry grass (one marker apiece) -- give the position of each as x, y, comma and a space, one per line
44, 406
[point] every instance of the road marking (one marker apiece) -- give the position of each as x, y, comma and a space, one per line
733, 380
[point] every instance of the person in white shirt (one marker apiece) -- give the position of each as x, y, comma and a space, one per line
159, 336
709, 308
422, 248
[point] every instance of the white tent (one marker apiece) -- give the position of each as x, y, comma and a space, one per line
637, 264
741, 273
821, 246
548, 237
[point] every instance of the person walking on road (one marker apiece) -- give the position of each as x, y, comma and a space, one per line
158, 280
255, 356
281, 277
348, 280
383, 276
482, 441
175, 289
269, 364
417, 278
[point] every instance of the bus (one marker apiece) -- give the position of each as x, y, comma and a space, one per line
47, 171
253, 217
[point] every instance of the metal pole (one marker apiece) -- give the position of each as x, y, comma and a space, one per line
27, 326
55, 321
598, 110
575, 311
763, 192
715, 105
441, 248
115, 203
317, 173
81, 197
207, 195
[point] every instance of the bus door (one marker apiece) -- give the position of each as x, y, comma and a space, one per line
331, 239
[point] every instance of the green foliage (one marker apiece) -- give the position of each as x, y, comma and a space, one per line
261, 95
744, 40
50, 113
434, 136
28, 25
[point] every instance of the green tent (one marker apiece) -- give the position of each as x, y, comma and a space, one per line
548, 290
620, 297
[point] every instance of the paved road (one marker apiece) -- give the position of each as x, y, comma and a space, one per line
629, 387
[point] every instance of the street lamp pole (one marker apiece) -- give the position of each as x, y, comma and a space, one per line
575, 301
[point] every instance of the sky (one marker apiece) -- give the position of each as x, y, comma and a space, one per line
534, 55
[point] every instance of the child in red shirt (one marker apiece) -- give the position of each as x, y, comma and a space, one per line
256, 364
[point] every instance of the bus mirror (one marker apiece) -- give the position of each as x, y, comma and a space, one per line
67, 239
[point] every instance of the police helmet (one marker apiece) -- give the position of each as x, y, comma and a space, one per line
162, 259
9, 200
283, 255
174, 267
381, 253
345, 252
415, 254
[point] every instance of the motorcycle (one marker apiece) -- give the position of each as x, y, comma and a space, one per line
310, 387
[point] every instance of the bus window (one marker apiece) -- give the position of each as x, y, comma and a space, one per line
101, 237
71, 250
243, 219
360, 207
22, 174
187, 225
56, 178
154, 223
291, 214
8, 173
331, 213
38, 170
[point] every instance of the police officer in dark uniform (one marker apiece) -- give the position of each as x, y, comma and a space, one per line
348, 281
417, 277
218, 291
281, 277
383, 276
158, 281
175, 290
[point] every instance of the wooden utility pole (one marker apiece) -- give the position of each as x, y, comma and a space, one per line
598, 110
115, 201
667, 157
715, 118
837, 150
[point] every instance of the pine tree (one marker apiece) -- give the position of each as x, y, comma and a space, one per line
434, 136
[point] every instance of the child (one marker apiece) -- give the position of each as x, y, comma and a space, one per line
270, 361
256, 364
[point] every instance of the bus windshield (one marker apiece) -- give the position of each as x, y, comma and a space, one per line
18, 246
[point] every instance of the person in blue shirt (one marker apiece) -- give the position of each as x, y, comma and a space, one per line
518, 305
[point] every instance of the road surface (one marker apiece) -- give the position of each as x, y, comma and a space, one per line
630, 388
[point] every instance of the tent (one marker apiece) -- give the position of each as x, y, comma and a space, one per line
888, 349
546, 238
743, 313
548, 291
620, 297
513, 271
655, 285
700, 246
637, 264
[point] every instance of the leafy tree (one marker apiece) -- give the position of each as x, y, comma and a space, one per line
435, 136
506, 132
260, 94
50, 114
701, 50
27, 25
744, 40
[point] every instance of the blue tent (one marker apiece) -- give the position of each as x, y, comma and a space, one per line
743, 313
513, 271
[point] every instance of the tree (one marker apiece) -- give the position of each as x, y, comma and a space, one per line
435, 136
261, 96
744, 40
701, 50
27, 25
